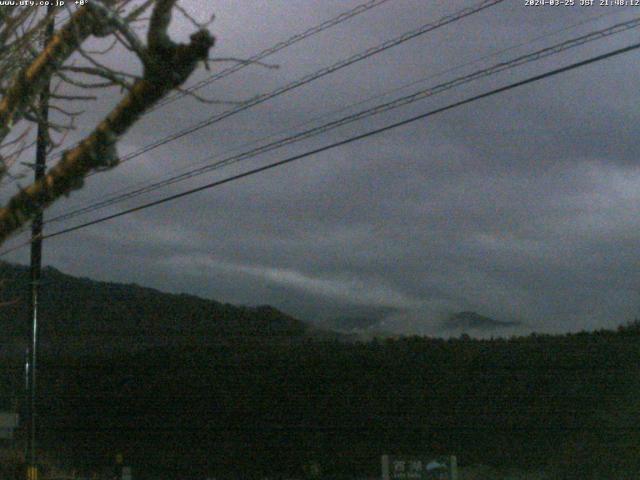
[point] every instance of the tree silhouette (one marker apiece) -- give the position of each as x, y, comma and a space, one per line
29, 64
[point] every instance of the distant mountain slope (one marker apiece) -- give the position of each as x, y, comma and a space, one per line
79, 315
475, 321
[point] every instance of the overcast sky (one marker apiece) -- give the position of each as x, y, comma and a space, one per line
523, 207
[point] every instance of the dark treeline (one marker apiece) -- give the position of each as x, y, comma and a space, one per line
253, 409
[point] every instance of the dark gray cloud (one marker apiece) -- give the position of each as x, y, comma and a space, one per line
523, 207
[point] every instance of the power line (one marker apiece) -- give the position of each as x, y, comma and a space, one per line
273, 49
116, 195
342, 17
446, 20
378, 109
331, 146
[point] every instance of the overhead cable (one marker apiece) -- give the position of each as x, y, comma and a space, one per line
273, 49
331, 146
446, 20
376, 110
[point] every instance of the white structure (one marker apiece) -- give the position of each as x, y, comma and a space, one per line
419, 468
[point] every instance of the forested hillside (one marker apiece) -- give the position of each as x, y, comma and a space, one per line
81, 316
264, 409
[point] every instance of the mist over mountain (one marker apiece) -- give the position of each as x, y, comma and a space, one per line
363, 322
84, 316
473, 320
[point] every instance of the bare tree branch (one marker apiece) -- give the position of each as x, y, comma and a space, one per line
30, 81
166, 66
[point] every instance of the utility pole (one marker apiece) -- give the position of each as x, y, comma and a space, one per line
42, 144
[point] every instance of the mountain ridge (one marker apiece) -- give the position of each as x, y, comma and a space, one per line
80, 315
